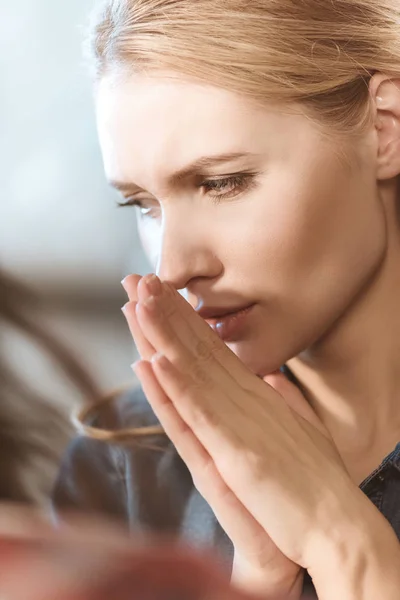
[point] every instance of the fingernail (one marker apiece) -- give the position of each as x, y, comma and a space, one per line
123, 282
154, 284
130, 304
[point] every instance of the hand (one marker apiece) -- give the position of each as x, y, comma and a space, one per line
94, 561
188, 418
258, 564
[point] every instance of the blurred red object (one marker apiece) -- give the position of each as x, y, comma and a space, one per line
99, 565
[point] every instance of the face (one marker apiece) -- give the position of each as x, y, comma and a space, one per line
244, 206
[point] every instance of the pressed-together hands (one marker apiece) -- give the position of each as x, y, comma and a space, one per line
256, 451
259, 456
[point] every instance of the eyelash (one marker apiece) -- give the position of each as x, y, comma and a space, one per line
238, 183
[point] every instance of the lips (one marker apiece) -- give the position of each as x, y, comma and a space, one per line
230, 324
214, 314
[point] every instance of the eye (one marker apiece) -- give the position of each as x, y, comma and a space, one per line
145, 210
227, 187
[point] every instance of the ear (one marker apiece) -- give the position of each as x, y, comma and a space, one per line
385, 93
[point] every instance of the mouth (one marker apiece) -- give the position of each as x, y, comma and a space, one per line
228, 323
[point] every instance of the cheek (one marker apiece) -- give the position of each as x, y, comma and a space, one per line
298, 227
306, 270
307, 247
273, 237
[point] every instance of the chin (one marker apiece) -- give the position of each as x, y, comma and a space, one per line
255, 357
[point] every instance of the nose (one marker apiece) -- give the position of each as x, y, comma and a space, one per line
186, 253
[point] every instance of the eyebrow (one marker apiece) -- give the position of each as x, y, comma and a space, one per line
194, 168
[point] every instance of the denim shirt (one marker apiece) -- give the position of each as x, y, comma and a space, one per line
149, 488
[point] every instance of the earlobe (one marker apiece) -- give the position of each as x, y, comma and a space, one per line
385, 92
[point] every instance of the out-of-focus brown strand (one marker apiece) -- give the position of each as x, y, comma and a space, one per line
127, 435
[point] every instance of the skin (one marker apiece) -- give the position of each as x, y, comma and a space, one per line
255, 246
313, 241
308, 511
259, 565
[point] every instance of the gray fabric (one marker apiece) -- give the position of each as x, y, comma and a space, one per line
151, 490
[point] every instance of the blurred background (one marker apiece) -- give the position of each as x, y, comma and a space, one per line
60, 229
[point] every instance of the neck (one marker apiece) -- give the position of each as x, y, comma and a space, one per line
352, 376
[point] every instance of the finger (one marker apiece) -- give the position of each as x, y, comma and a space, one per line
192, 329
182, 436
234, 518
206, 397
202, 371
295, 399
196, 361
170, 333
143, 346
246, 448
130, 284
208, 414
197, 336
200, 377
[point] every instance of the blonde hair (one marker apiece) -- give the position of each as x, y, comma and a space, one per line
317, 53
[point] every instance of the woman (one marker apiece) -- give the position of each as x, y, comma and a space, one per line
260, 142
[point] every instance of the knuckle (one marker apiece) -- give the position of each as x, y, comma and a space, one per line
213, 340
206, 468
199, 375
242, 464
170, 311
253, 463
202, 350
204, 417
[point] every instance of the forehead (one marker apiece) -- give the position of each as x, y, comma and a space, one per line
157, 124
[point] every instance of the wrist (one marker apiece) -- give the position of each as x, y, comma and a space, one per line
357, 556
269, 582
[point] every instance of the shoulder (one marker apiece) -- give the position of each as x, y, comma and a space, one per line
123, 411
93, 473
